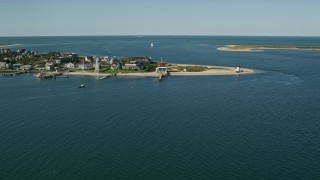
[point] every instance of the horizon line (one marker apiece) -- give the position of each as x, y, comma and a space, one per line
141, 35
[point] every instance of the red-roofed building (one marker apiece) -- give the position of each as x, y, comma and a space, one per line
162, 68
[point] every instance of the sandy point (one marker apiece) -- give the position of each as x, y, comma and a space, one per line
210, 71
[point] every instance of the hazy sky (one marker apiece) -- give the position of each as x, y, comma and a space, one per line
160, 17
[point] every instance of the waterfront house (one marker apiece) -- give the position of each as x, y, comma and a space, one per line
88, 58
115, 66
3, 65
69, 65
84, 65
58, 61
25, 67
134, 65
16, 66
162, 68
105, 60
49, 67
40, 67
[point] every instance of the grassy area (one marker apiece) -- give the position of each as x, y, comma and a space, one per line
5, 44
23, 71
10, 70
123, 71
192, 68
219, 68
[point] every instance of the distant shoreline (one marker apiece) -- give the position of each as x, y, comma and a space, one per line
8, 45
211, 71
257, 48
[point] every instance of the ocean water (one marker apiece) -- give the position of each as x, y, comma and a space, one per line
258, 126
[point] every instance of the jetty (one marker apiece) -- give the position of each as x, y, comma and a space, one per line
9, 74
50, 75
108, 76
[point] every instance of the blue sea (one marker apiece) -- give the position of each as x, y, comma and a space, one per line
264, 125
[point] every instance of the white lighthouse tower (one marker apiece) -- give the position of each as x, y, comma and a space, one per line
97, 66
238, 69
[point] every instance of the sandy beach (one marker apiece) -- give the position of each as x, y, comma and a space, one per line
257, 48
212, 71
8, 45
232, 48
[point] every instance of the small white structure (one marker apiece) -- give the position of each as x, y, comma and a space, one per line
162, 68
238, 69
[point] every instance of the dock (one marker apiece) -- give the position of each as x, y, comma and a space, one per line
108, 76
11, 74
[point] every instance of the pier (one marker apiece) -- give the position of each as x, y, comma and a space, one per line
11, 74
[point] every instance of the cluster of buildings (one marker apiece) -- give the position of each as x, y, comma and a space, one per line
62, 61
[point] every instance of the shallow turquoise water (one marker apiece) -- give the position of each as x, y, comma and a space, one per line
258, 126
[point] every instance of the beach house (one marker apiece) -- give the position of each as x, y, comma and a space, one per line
133, 65
40, 67
25, 67
3, 65
69, 65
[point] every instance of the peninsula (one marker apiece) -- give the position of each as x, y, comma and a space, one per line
255, 48
56, 63
178, 70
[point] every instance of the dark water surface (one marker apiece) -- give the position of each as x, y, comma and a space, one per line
259, 126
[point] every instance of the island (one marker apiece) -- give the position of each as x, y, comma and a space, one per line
57, 64
255, 48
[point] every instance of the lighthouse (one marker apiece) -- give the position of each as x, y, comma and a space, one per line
238, 69
97, 66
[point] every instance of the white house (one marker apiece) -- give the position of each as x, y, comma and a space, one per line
84, 66
39, 67
25, 67
49, 67
114, 66
162, 68
88, 58
69, 65
16, 66
3, 65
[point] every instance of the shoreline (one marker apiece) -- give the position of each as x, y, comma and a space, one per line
212, 71
259, 48
8, 45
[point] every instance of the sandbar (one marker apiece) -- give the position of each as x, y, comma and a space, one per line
8, 45
257, 48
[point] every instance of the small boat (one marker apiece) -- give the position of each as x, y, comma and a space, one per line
151, 45
82, 86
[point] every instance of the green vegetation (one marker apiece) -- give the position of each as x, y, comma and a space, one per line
10, 70
150, 66
123, 71
219, 68
192, 68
